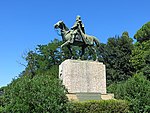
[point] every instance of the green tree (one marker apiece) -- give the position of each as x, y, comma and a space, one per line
140, 58
43, 58
136, 90
2, 99
116, 55
143, 34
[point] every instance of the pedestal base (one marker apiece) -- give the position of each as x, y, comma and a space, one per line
84, 80
89, 96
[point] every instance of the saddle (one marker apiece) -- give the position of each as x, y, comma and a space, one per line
78, 38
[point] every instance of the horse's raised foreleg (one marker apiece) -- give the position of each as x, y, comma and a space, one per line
65, 44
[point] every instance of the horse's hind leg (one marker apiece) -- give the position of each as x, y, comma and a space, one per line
95, 52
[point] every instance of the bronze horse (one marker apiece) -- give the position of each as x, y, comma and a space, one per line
81, 39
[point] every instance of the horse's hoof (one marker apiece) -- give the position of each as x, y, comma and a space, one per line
72, 58
79, 58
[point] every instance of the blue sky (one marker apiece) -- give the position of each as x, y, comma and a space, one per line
27, 23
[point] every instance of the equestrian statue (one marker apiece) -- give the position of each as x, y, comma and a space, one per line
76, 37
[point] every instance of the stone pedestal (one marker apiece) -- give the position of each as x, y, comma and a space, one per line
83, 79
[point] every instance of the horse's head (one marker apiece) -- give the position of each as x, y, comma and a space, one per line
60, 25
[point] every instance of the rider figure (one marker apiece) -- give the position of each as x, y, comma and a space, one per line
78, 23
76, 26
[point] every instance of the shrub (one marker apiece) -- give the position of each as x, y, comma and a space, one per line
1, 109
136, 90
40, 94
100, 106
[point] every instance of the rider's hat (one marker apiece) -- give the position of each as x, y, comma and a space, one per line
78, 18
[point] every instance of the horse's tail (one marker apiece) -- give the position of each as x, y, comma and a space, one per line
97, 42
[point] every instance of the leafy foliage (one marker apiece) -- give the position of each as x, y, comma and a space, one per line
101, 106
116, 55
38, 88
143, 34
140, 58
136, 90
2, 99
42, 93
44, 58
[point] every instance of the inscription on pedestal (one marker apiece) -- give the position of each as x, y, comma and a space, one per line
83, 76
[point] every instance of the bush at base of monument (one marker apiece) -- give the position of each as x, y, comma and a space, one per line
101, 106
136, 90
1, 109
40, 94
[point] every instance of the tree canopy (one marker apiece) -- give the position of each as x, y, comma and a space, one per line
140, 58
116, 55
143, 34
